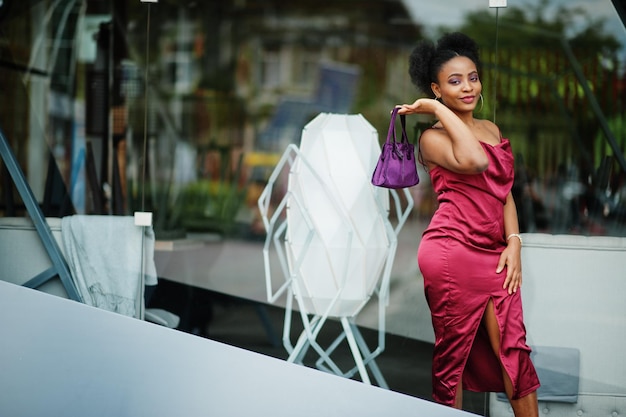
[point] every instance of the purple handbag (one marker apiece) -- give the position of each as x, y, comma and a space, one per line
396, 166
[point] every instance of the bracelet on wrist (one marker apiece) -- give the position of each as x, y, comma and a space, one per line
517, 235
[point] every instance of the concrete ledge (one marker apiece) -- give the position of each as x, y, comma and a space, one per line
60, 357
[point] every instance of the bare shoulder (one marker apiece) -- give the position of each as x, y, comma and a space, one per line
488, 125
491, 128
432, 143
434, 133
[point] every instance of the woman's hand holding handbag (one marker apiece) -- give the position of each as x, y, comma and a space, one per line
396, 167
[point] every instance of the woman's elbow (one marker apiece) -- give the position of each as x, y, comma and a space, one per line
481, 165
474, 165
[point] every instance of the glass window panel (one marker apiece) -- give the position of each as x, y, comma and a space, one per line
182, 109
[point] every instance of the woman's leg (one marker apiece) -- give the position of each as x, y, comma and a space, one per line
522, 407
458, 399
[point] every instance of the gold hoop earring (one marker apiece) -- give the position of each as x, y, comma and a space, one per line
482, 102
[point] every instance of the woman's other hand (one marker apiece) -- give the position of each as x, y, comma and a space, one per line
511, 259
420, 106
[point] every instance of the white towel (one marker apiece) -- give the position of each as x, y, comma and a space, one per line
105, 255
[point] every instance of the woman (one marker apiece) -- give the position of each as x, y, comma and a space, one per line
470, 253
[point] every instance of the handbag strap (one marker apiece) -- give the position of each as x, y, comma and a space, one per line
391, 134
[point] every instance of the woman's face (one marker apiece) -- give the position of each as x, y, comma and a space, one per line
458, 84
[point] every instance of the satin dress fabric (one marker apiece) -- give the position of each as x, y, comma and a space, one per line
458, 256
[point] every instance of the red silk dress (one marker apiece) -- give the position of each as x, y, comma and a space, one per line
458, 256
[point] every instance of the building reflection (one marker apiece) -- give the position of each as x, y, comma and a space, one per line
181, 107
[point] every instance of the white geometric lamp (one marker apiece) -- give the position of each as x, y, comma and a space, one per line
333, 237
338, 235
